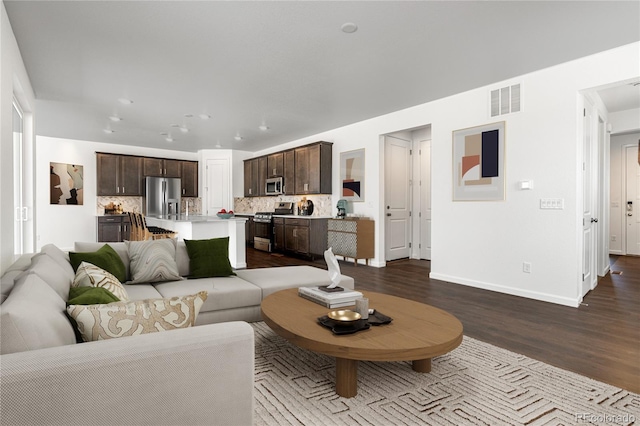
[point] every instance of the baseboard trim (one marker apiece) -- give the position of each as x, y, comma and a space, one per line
544, 297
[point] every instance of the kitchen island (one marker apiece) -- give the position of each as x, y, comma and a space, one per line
197, 227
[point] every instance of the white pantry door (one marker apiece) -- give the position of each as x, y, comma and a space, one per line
633, 201
218, 189
397, 156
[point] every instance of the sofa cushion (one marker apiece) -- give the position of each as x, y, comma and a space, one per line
33, 317
119, 319
105, 257
153, 261
52, 273
90, 296
209, 258
224, 292
120, 248
89, 275
182, 258
7, 282
59, 256
271, 280
142, 291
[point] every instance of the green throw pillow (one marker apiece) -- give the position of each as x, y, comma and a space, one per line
90, 296
106, 258
209, 258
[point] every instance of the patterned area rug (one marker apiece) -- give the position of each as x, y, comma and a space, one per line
476, 384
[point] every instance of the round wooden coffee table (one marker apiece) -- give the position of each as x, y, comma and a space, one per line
417, 333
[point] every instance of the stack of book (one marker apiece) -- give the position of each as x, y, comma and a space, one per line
336, 299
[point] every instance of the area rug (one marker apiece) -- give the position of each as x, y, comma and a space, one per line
476, 384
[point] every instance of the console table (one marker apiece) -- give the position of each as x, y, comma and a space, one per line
352, 238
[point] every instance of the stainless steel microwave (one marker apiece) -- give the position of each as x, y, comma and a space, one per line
273, 186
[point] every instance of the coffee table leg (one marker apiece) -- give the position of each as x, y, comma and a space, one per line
346, 377
422, 365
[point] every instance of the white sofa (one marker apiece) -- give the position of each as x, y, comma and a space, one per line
196, 375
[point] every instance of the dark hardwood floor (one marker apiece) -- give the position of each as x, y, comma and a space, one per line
600, 339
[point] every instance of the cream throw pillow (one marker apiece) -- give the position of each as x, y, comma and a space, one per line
118, 319
153, 261
90, 275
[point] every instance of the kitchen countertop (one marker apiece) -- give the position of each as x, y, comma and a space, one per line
193, 218
290, 216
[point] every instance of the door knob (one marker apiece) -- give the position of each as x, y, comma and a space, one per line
594, 219
388, 214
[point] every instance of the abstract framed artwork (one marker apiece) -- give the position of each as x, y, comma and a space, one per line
479, 163
66, 183
352, 175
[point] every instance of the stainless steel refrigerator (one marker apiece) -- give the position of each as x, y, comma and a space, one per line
162, 196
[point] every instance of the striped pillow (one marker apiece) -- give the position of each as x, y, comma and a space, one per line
89, 275
120, 319
153, 261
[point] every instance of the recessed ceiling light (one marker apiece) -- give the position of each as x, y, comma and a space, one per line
263, 127
108, 131
184, 129
115, 118
169, 139
204, 116
238, 137
218, 145
125, 101
349, 27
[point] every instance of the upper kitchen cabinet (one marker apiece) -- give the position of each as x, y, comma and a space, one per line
289, 172
313, 168
119, 174
251, 178
162, 167
189, 178
262, 175
275, 165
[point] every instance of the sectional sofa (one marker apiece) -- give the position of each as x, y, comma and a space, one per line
193, 375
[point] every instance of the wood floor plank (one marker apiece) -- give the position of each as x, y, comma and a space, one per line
600, 339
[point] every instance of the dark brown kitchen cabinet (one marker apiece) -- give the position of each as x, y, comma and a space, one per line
113, 228
189, 178
161, 167
313, 168
289, 172
307, 237
278, 234
119, 174
275, 165
262, 175
251, 178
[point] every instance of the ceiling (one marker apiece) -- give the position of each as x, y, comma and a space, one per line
283, 65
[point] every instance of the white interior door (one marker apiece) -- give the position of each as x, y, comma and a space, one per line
589, 276
632, 200
397, 198
425, 199
218, 189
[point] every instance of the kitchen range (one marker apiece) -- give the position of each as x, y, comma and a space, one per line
263, 223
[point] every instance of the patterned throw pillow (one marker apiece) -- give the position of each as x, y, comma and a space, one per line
119, 319
89, 275
153, 261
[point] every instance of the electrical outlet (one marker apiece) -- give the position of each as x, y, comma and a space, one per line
614, 238
526, 267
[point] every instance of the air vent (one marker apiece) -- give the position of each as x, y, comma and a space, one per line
505, 100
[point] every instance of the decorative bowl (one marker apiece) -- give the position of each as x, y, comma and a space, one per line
225, 215
344, 316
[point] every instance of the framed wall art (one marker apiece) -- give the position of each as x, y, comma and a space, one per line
352, 175
479, 163
66, 182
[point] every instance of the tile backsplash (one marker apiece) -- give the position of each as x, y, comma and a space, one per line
322, 204
134, 204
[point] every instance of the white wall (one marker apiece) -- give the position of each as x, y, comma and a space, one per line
484, 244
62, 225
618, 201
13, 78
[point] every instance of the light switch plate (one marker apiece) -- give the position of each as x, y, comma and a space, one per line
552, 203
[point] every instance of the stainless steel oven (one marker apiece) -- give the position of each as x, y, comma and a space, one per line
263, 231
